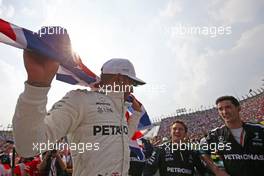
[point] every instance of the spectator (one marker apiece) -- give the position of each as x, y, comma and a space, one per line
52, 164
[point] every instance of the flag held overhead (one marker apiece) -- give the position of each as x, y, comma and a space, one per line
55, 45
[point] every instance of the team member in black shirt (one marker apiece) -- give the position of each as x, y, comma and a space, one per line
170, 160
245, 156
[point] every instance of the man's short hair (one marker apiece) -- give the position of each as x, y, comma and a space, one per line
233, 100
182, 123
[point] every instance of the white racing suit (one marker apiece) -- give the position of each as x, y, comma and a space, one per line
87, 118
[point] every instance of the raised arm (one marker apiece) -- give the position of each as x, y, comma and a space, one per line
32, 125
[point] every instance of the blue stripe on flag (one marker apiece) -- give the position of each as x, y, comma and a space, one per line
144, 121
66, 78
47, 46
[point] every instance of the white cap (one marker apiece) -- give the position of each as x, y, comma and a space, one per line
123, 67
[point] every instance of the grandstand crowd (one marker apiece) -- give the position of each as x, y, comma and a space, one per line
199, 124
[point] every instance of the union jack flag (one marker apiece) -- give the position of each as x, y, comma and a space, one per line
71, 69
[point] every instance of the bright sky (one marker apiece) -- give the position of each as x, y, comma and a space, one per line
183, 68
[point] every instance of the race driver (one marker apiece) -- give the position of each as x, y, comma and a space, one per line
93, 118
